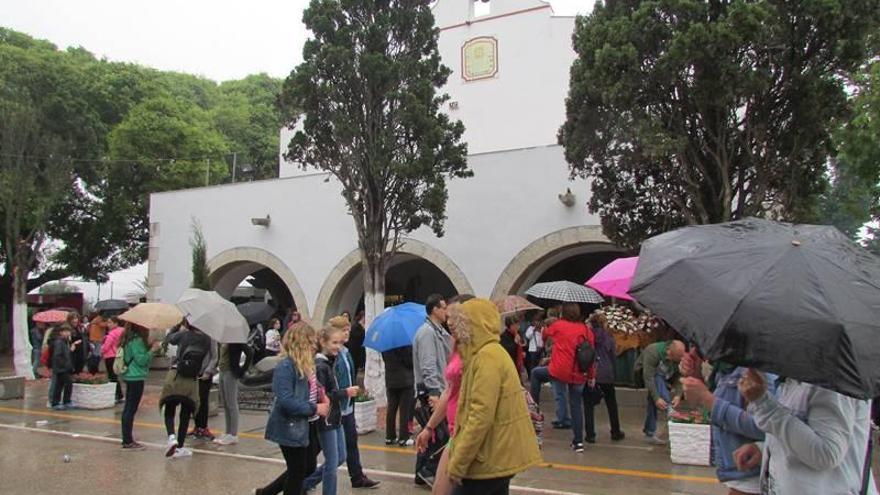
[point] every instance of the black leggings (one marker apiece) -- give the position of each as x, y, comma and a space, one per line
185, 413
202, 414
400, 403
610, 398
133, 393
63, 388
494, 486
108, 363
301, 462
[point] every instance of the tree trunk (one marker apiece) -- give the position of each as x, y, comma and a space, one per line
6, 317
374, 304
21, 342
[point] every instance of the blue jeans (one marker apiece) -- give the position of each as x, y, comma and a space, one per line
561, 395
352, 453
651, 412
575, 407
540, 376
51, 387
35, 360
333, 448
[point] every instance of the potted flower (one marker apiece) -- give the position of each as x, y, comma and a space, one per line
365, 413
690, 437
93, 391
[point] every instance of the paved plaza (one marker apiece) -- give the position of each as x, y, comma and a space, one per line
34, 441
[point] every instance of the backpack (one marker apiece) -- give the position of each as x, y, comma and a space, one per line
585, 355
119, 365
190, 363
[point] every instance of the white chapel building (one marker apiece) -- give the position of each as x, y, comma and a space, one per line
508, 226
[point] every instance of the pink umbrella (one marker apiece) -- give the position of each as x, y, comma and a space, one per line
614, 279
50, 316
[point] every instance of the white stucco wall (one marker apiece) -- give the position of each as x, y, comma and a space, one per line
507, 207
510, 202
524, 104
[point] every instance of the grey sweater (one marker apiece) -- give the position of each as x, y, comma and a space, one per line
816, 440
431, 349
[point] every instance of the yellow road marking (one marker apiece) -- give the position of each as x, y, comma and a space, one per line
376, 448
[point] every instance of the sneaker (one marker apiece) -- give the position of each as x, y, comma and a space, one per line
390, 441
578, 448
171, 446
561, 426
616, 437
133, 446
409, 442
205, 434
364, 482
655, 440
69, 405
58, 407
226, 439
182, 452
590, 439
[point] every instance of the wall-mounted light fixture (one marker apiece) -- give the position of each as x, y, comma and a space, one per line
567, 198
262, 222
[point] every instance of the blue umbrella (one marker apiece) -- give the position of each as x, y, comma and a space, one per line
395, 327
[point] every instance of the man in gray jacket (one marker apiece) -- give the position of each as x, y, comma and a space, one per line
431, 349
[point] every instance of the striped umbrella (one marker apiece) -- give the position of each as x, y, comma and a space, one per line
565, 291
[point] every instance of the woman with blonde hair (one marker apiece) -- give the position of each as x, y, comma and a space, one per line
296, 400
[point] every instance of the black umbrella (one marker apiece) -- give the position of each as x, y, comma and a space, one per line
802, 301
256, 311
109, 305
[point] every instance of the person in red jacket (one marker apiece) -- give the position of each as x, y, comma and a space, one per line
567, 333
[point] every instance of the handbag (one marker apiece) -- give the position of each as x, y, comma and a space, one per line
593, 395
119, 365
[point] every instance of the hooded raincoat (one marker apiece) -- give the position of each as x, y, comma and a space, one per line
494, 437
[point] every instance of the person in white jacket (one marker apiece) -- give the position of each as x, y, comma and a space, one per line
817, 439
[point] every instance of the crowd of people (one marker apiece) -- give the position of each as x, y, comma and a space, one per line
472, 381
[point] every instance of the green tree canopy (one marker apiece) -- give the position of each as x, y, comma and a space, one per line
367, 90
107, 129
700, 112
248, 116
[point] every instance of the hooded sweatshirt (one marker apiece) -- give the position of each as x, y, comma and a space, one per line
494, 437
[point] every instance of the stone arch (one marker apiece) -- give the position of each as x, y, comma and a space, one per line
546, 251
243, 260
348, 267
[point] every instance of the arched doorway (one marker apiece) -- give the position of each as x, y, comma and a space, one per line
574, 254
417, 271
244, 274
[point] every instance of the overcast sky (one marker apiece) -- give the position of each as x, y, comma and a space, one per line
219, 39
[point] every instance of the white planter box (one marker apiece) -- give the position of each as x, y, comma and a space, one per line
12, 387
94, 396
690, 444
365, 416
